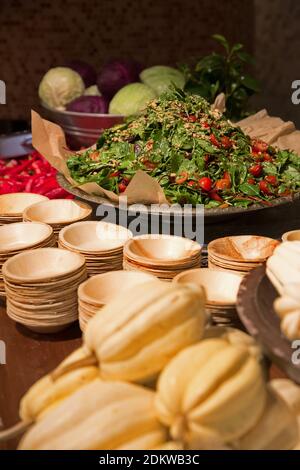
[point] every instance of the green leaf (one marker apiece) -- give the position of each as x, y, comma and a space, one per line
249, 189
222, 40
250, 82
245, 57
206, 146
270, 168
236, 48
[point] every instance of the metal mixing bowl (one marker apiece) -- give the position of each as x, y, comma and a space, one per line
82, 129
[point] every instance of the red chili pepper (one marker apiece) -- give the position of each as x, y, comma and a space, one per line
256, 170
214, 140
215, 196
205, 183
57, 193
114, 174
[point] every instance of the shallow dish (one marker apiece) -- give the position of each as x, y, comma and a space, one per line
42, 264
57, 211
101, 289
244, 248
292, 236
21, 235
221, 287
162, 250
13, 204
94, 237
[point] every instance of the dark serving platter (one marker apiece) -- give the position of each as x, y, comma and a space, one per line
255, 309
211, 215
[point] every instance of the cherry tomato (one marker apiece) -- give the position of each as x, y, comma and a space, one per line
226, 142
251, 181
214, 140
192, 184
215, 196
182, 178
256, 170
122, 186
259, 145
192, 118
257, 156
205, 125
267, 157
272, 180
264, 188
222, 184
205, 183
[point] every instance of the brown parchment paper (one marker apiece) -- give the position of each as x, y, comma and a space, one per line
49, 139
270, 129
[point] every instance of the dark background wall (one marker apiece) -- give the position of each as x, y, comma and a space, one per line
277, 48
38, 34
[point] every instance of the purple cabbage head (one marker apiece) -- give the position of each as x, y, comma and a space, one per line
85, 70
89, 104
116, 74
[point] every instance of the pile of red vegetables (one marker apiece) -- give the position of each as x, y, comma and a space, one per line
31, 174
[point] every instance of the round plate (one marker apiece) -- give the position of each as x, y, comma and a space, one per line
255, 309
211, 215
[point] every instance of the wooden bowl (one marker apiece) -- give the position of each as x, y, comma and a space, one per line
13, 204
94, 237
22, 235
242, 248
57, 211
162, 250
292, 236
101, 289
41, 265
221, 287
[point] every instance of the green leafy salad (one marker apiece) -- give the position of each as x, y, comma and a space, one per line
194, 152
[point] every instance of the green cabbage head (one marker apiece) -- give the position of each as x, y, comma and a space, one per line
59, 86
131, 99
161, 77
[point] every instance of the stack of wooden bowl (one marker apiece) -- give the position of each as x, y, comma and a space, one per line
41, 288
20, 236
240, 254
101, 243
97, 291
12, 206
161, 255
221, 290
58, 213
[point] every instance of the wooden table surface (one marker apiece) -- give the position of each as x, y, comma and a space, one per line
29, 356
